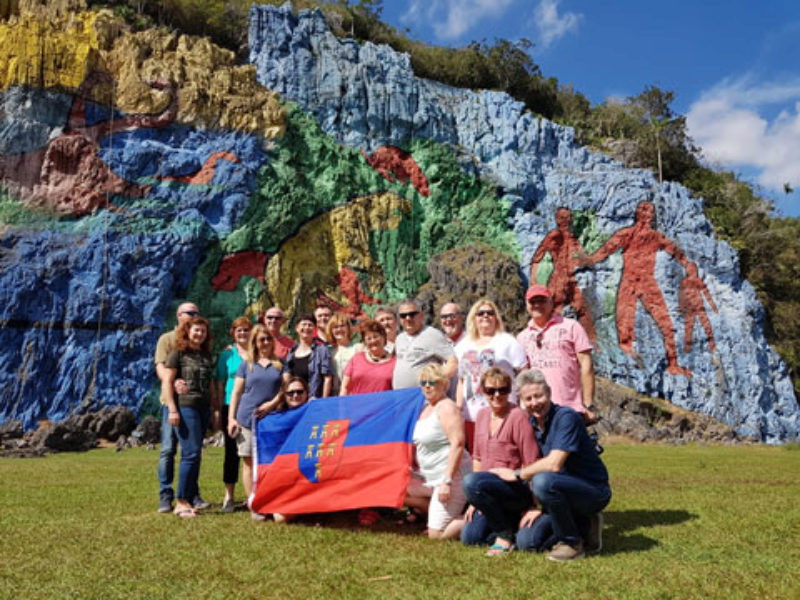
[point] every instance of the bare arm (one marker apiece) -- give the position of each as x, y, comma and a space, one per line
460, 393
344, 386
327, 382
587, 382
451, 367
233, 424
453, 426
168, 393
552, 463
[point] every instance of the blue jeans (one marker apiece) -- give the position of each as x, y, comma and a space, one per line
190, 433
537, 537
569, 501
501, 504
166, 460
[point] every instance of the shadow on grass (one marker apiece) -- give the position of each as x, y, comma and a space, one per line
619, 525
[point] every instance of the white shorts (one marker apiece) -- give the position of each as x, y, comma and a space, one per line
439, 514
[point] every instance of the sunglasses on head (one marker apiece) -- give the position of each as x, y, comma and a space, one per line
485, 313
491, 391
409, 315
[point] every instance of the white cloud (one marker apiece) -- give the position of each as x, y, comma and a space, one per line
552, 26
450, 19
728, 123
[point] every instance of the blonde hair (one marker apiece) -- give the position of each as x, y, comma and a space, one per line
253, 355
433, 372
472, 318
336, 320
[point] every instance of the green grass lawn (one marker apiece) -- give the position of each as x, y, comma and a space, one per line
685, 522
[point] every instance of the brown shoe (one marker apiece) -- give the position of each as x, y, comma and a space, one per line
594, 539
563, 552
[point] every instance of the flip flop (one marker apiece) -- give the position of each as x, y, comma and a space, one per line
499, 550
185, 513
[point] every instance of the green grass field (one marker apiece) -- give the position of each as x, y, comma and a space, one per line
685, 522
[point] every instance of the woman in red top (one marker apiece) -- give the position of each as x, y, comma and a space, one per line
370, 370
503, 438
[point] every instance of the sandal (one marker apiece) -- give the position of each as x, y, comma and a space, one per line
409, 516
499, 550
185, 513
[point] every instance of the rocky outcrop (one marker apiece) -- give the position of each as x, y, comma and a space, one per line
662, 335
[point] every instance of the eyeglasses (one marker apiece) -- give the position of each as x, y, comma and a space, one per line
491, 391
409, 315
428, 383
449, 316
485, 313
537, 300
273, 318
539, 338
295, 392
264, 340
191, 313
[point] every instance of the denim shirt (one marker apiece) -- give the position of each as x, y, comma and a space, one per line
319, 365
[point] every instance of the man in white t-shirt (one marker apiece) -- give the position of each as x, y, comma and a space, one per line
419, 345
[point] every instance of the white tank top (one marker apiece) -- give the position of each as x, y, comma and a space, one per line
433, 448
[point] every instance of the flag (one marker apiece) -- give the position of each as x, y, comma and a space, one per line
336, 453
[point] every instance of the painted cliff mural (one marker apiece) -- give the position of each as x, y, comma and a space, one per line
137, 170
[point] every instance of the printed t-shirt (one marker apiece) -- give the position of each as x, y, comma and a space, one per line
260, 385
561, 341
196, 368
366, 377
414, 352
502, 351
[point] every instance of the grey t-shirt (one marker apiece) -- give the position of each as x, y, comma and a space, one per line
414, 352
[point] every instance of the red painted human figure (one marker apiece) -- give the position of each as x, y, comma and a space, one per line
690, 304
565, 249
640, 244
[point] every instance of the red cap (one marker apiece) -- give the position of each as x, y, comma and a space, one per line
537, 290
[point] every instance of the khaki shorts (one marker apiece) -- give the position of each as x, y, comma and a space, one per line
244, 442
439, 514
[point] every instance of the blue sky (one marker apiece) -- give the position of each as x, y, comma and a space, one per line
734, 65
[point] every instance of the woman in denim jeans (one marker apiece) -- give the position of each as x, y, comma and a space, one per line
191, 362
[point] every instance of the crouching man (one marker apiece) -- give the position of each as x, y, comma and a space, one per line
570, 481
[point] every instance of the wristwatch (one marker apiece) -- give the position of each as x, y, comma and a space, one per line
518, 474
447, 480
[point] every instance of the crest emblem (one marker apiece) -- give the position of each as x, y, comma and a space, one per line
320, 458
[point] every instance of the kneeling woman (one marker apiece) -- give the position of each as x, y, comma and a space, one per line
294, 394
439, 440
503, 438
191, 361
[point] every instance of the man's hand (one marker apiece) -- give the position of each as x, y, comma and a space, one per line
180, 387
174, 418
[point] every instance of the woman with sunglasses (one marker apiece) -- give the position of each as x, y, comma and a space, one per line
227, 366
487, 344
258, 381
293, 394
442, 460
503, 438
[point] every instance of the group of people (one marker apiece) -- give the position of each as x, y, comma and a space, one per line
503, 456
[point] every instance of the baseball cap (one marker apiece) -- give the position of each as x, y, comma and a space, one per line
537, 290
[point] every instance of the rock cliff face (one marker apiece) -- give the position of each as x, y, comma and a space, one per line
138, 170
664, 300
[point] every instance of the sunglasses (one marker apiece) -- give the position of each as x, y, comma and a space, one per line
485, 313
491, 391
537, 300
264, 340
539, 338
191, 313
428, 383
295, 392
273, 318
449, 316
409, 315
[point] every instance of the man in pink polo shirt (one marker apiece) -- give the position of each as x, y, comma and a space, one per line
559, 348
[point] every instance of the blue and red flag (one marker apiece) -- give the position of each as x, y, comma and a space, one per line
336, 453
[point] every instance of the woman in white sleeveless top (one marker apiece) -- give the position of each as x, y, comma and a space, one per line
442, 460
